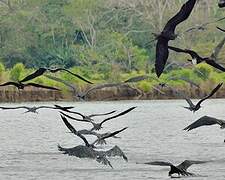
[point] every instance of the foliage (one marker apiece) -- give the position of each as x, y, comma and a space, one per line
17, 72
104, 41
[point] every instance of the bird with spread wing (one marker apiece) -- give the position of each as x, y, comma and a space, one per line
180, 169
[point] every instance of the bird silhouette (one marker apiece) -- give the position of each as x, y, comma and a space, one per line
98, 126
20, 85
41, 71
196, 107
98, 135
35, 108
196, 59
168, 33
88, 117
88, 151
180, 169
205, 121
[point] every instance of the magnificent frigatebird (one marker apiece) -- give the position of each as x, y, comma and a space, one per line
98, 126
168, 33
196, 59
205, 121
41, 71
98, 135
35, 108
20, 85
180, 169
88, 117
88, 151
196, 107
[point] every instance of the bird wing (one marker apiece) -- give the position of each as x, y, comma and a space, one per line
74, 112
136, 79
223, 30
73, 130
203, 121
83, 120
64, 108
19, 107
211, 94
214, 64
37, 73
116, 151
62, 81
182, 95
9, 83
217, 49
41, 86
187, 163
76, 75
88, 132
181, 16
173, 168
192, 53
109, 135
120, 114
158, 163
101, 114
46, 107
162, 54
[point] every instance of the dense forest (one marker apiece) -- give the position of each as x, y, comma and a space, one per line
103, 40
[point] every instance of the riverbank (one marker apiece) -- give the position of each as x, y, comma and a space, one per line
123, 92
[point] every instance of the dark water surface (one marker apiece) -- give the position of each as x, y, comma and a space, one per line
28, 147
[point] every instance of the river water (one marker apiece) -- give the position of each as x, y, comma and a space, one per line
29, 141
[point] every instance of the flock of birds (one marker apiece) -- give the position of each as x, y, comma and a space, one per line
90, 150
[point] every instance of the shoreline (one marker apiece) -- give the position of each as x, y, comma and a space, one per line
104, 94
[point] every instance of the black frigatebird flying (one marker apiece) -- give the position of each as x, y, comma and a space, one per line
35, 108
205, 121
98, 126
180, 169
77, 133
88, 151
168, 33
20, 85
98, 135
196, 59
88, 117
196, 107
41, 71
